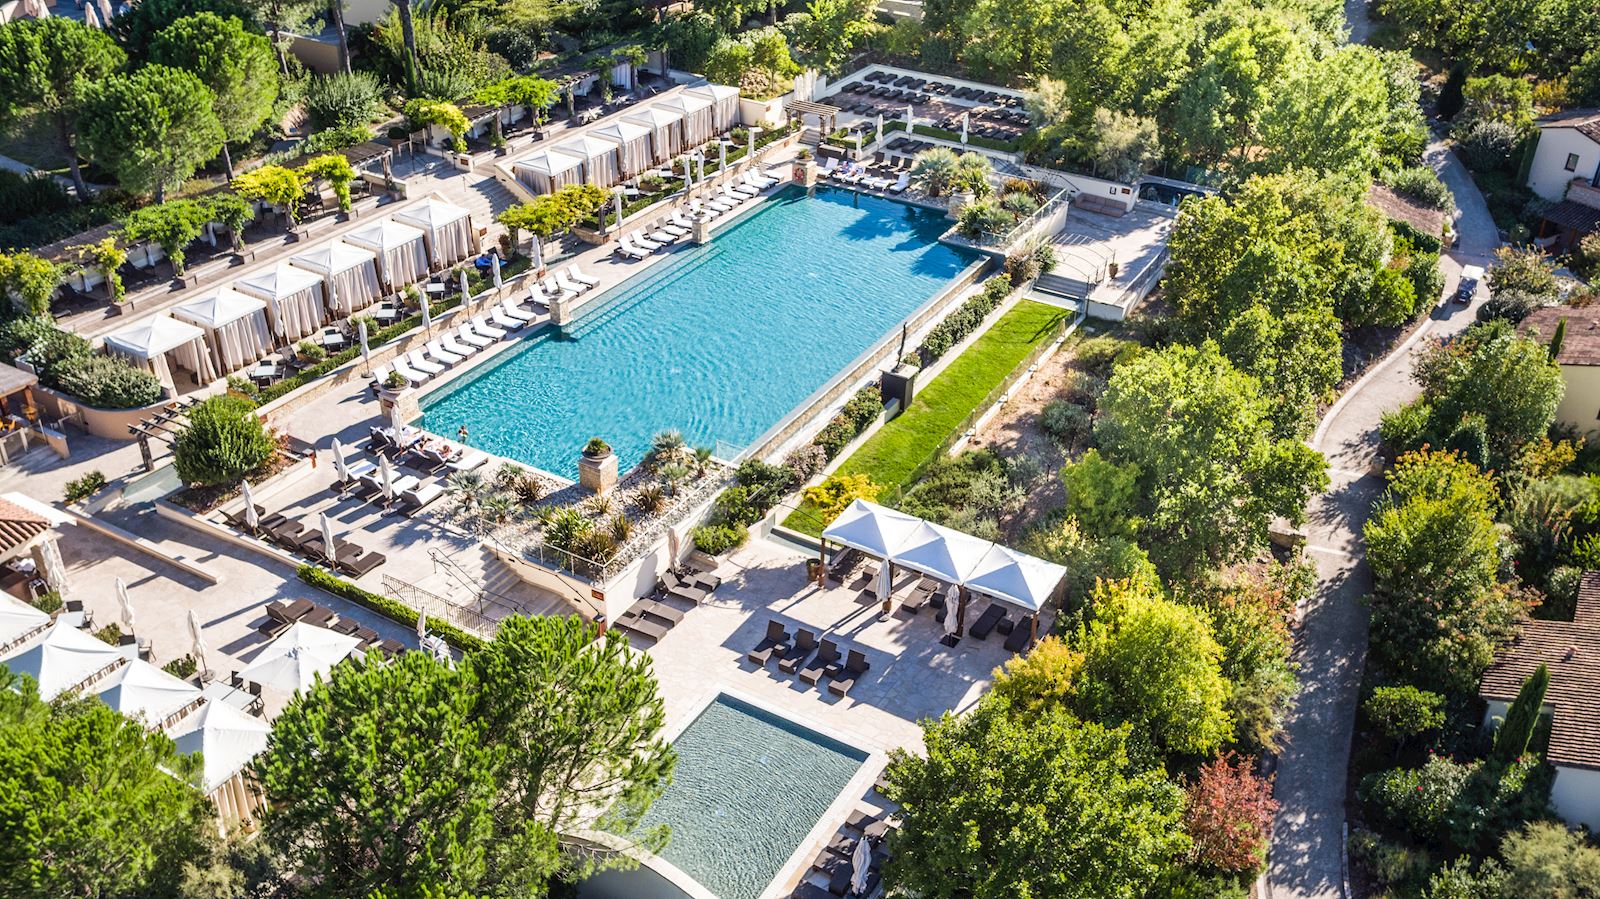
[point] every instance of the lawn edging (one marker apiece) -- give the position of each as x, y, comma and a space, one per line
945, 409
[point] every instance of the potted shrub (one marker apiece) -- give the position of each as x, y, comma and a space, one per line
395, 381
597, 467
805, 167
596, 448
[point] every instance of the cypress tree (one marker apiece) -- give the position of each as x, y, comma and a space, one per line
1559, 338
1511, 740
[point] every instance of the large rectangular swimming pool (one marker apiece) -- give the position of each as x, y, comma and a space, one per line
748, 787
719, 342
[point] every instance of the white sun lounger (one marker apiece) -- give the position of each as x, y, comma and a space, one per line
664, 237
468, 335
677, 231
719, 204
481, 326
453, 344
563, 281
407, 372
642, 242
626, 248
742, 189
679, 220
515, 310
759, 179
502, 320
732, 196
416, 361
826, 168
556, 291
900, 185
575, 274
438, 353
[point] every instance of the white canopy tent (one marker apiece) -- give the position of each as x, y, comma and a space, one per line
65, 658
698, 125
724, 104
402, 252
548, 171
19, 621
227, 740
968, 562
295, 297
599, 158
144, 692
236, 327
447, 230
149, 341
349, 273
634, 153
303, 652
666, 129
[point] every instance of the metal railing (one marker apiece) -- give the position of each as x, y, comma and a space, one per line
425, 602
1021, 230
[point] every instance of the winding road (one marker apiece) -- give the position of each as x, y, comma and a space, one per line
1306, 860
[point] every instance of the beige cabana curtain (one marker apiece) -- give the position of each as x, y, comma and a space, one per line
148, 342
633, 145
447, 230
235, 326
724, 104
666, 130
697, 117
402, 253
237, 804
350, 274
295, 300
599, 159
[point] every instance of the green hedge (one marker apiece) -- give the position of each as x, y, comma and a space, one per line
389, 608
384, 335
1006, 146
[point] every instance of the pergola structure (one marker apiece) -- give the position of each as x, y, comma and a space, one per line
163, 426
827, 115
970, 563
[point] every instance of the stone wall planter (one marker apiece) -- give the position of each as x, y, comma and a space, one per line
598, 473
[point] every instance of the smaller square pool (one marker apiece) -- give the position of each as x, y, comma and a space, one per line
749, 786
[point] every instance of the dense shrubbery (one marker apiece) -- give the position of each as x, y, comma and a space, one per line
84, 487
66, 362
1420, 183
757, 488
223, 441
717, 539
969, 492
859, 412
966, 319
343, 99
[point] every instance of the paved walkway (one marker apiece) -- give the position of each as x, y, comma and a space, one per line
1307, 854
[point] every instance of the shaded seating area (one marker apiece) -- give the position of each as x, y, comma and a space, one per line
160, 343
794, 654
960, 567
349, 272
235, 326
447, 230
401, 250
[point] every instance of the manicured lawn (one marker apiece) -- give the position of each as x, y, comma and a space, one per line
893, 454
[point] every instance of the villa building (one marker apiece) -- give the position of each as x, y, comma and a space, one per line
1566, 171
1579, 359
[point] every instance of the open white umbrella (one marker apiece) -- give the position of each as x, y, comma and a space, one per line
964, 127
494, 270
198, 642
386, 476
537, 254
366, 353
329, 547
251, 519
125, 603
295, 659
860, 867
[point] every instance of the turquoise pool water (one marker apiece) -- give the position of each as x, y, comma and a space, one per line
719, 342
748, 787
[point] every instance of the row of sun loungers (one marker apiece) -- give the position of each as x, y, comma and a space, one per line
653, 618
835, 863
944, 89
280, 615
668, 231
857, 175
456, 345
296, 537
410, 493
841, 671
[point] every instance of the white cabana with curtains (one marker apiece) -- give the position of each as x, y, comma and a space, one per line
548, 171
666, 129
724, 104
19, 622
294, 298
349, 273
447, 230
151, 341
228, 740
402, 252
63, 659
698, 126
633, 145
236, 326
145, 693
599, 158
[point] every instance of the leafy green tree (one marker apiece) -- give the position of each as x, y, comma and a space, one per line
1404, 712
45, 64
1437, 611
1008, 805
1211, 477
335, 169
136, 29
276, 186
28, 282
380, 777
1330, 115
1499, 98
829, 29
1219, 110
223, 441
1545, 860
1522, 719
91, 804
154, 128
235, 63
172, 225
1153, 664
1102, 495
1125, 146
1494, 376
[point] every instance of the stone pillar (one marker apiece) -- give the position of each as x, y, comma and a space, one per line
598, 473
700, 233
805, 172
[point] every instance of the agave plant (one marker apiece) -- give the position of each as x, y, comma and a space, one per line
650, 499
566, 528
600, 506
621, 529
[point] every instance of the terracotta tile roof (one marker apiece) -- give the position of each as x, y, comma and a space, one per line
1584, 121
1423, 219
19, 525
1581, 345
1574, 216
1571, 651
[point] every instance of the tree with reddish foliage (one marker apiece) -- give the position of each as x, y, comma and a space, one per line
1229, 813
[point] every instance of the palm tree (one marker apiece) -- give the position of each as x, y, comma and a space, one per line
936, 170
972, 173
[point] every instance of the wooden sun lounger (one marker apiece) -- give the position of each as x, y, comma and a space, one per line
660, 610
827, 657
986, 622
1019, 638
641, 625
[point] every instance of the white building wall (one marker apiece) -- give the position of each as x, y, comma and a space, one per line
1548, 176
1576, 796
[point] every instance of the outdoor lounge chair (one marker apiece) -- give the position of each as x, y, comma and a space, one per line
481, 326
412, 376
420, 497
860, 818
290, 612
758, 180
776, 640
565, 282
436, 351
679, 220
357, 566
805, 643
625, 248
577, 275
743, 189
900, 185
417, 362
557, 291
1020, 635
470, 460
642, 242
673, 586
826, 169
453, 344
719, 204
469, 336
827, 657
659, 610
502, 320
515, 310
637, 623
845, 678
984, 626
664, 237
